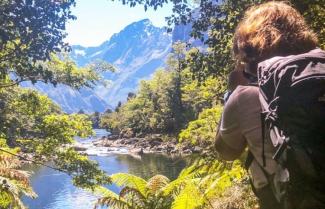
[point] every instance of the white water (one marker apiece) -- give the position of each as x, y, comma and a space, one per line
93, 150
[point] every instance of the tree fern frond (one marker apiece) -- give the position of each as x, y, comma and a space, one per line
156, 183
13, 191
129, 190
17, 203
17, 175
103, 191
14, 182
175, 186
112, 203
132, 181
8, 161
189, 198
27, 190
109, 199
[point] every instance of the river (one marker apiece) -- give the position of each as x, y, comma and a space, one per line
55, 189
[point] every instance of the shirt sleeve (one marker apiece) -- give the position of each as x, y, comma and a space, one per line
230, 129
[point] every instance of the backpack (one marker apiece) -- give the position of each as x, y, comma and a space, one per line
292, 96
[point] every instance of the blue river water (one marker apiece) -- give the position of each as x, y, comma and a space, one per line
56, 191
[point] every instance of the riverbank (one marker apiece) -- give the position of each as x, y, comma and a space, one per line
154, 143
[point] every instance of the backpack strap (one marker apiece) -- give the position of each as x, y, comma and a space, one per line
263, 138
250, 155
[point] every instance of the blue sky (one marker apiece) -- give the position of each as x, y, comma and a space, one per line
97, 20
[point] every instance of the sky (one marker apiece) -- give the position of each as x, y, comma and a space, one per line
98, 20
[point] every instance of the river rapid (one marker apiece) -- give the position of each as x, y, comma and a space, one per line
55, 189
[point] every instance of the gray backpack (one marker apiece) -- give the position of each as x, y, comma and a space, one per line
292, 96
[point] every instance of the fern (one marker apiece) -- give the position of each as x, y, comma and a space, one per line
156, 183
109, 198
198, 186
189, 197
129, 180
136, 193
13, 182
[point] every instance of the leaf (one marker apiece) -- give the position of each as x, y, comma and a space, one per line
129, 180
189, 198
156, 183
109, 198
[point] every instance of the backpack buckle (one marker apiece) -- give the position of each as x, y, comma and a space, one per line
283, 146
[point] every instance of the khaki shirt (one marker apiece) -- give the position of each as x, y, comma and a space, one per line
241, 127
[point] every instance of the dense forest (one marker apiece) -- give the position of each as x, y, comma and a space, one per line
182, 100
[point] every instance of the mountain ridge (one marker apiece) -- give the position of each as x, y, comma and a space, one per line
136, 52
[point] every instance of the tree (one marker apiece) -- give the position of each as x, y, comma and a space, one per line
81, 111
154, 109
95, 119
130, 96
176, 63
202, 131
30, 31
31, 37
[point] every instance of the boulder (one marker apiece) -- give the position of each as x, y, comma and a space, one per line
112, 137
98, 142
154, 143
133, 140
138, 151
107, 143
79, 148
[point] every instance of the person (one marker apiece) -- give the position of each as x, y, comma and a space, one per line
241, 127
266, 31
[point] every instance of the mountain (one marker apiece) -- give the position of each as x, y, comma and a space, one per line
71, 100
136, 52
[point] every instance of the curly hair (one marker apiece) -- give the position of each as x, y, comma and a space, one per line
272, 29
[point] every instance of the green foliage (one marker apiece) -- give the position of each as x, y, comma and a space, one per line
32, 49
136, 193
167, 102
30, 32
202, 185
95, 119
62, 70
34, 123
155, 108
31, 36
203, 130
314, 13
13, 181
200, 95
